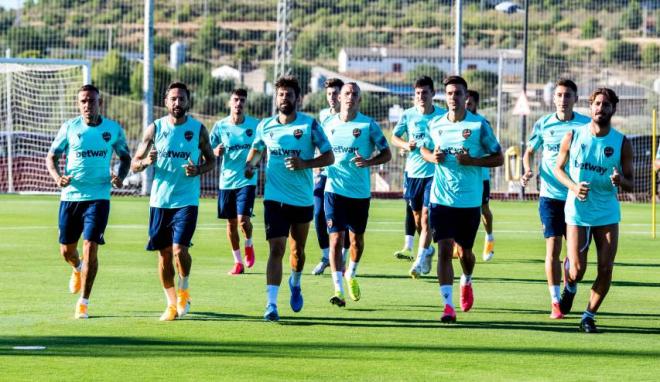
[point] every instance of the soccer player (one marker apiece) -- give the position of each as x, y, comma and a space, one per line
88, 142
332, 89
354, 138
290, 139
657, 159
178, 147
231, 139
472, 104
459, 143
594, 161
405, 253
419, 173
547, 134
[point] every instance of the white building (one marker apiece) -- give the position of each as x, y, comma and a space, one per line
226, 72
395, 60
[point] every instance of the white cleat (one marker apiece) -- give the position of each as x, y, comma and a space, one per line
427, 260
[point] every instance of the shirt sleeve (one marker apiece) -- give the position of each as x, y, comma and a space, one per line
215, 137
377, 137
401, 126
536, 140
258, 143
488, 140
428, 140
319, 139
120, 146
61, 142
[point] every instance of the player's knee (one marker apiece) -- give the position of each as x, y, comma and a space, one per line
577, 272
244, 223
605, 269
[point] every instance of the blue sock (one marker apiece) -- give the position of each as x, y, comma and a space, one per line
571, 287
588, 314
295, 278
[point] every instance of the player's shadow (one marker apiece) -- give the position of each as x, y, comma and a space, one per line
643, 265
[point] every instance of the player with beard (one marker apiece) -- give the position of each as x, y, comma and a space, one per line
178, 147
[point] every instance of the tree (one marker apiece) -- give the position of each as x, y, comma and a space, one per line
112, 73
207, 38
632, 16
485, 82
162, 78
432, 71
617, 51
651, 54
590, 29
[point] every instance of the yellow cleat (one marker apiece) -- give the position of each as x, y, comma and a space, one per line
353, 288
489, 250
169, 314
81, 311
75, 282
182, 302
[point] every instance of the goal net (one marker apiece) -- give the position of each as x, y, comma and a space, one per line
36, 97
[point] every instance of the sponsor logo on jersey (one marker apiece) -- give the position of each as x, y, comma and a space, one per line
552, 147
238, 146
106, 136
418, 136
285, 152
608, 151
297, 133
174, 154
344, 149
600, 170
188, 135
467, 133
454, 150
357, 132
91, 153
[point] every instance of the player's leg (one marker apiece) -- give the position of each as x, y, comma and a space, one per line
468, 222
357, 215
551, 212
70, 224
277, 230
421, 204
575, 264
227, 211
184, 223
320, 226
244, 207
166, 273
443, 231
487, 220
335, 214
409, 225
297, 241
606, 239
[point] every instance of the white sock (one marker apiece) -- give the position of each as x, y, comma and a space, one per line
171, 299
490, 237
295, 278
446, 293
554, 293
466, 279
352, 268
338, 281
421, 250
237, 255
325, 253
83, 301
248, 242
183, 283
408, 243
271, 291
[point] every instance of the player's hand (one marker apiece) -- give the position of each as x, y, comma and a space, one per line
116, 181
464, 158
190, 168
151, 158
615, 177
403, 152
359, 160
581, 190
438, 156
294, 163
525, 178
249, 171
64, 180
219, 150
412, 145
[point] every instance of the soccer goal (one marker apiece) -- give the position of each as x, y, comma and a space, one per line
36, 97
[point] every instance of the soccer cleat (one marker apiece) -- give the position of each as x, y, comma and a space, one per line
320, 267
249, 256
271, 313
556, 313
489, 250
182, 302
81, 311
169, 314
353, 288
448, 315
338, 299
404, 254
415, 271
566, 301
75, 282
427, 261
238, 269
296, 300
467, 297
588, 325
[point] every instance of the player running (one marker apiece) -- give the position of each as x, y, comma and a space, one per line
178, 147
459, 143
290, 139
419, 173
594, 161
88, 142
231, 139
546, 136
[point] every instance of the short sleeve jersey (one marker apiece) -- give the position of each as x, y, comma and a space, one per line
360, 136
237, 140
454, 184
88, 151
299, 138
414, 125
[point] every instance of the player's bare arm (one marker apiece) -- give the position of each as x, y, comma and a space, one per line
492, 160
253, 158
296, 163
117, 179
436, 156
146, 154
625, 180
208, 157
402, 144
581, 190
52, 164
383, 156
527, 166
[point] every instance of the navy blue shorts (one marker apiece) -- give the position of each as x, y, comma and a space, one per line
169, 226
417, 192
88, 218
239, 201
551, 212
278, 217
460, 224
485, 197
343, 213
319, 185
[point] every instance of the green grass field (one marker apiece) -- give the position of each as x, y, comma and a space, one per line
393, 333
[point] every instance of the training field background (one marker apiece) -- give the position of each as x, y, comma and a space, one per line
393, 333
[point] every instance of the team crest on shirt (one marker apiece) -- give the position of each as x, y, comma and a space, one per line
608, 151
249, 132
467, 133
357, 132
106, 136
188, 135
297, 133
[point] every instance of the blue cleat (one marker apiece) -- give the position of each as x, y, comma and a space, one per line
296, 297
271, 313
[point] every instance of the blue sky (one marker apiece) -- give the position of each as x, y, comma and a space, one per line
9, 3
